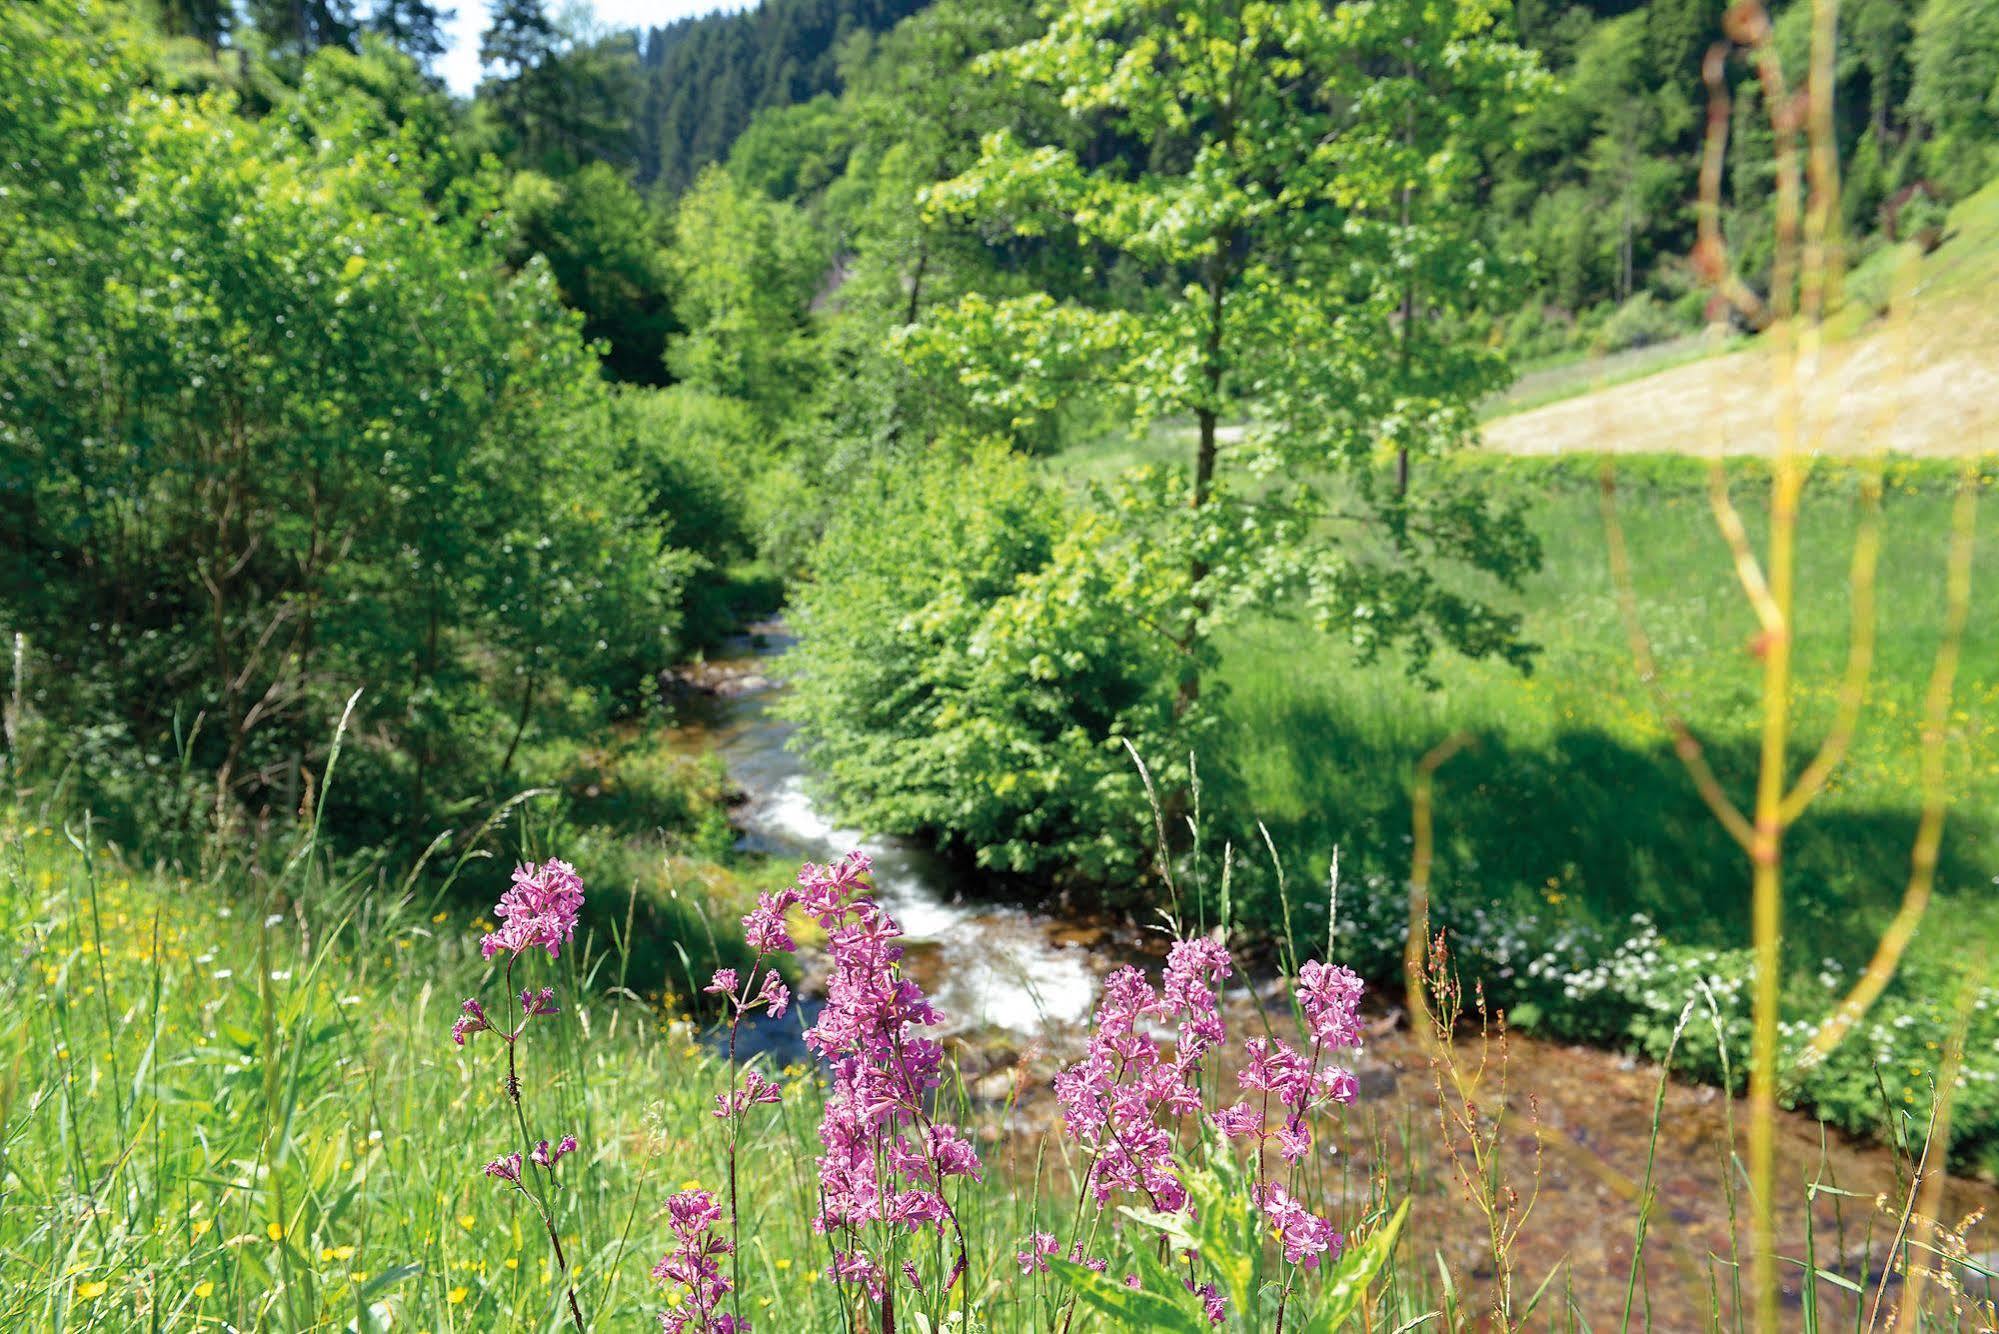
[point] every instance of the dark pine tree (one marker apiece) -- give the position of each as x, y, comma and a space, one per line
303, 26
205, 20
414, 27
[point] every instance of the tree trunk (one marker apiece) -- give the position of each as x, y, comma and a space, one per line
1207, 417
916, 285
1408, 292
520, 724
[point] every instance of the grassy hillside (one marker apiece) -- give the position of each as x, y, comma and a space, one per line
1928, 391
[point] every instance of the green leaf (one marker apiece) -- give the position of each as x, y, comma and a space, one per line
1132, 1308
1357, 1269
387, 1279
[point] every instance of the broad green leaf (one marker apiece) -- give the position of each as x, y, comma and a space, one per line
1132, 1308
1356, 1270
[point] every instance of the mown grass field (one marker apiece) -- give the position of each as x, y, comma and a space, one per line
1924, 387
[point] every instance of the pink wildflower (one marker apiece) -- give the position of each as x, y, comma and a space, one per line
1329, 994
1112, 1098
1305, 1235
883, 1160
538, 1002
1212, 1302
472, 1020
507, 1167
856, 1267
1034, 1260
540, 908
548, 1157
775, 996
1275, 1067
756, 1090
763, 926
1239, 1121
723, 983
1193, 968
694, 1265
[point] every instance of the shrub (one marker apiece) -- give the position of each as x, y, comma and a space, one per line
1640, 322
975, 654
284, 425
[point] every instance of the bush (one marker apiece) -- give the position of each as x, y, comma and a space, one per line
699, 459
974, 654
285, 425
1640, 322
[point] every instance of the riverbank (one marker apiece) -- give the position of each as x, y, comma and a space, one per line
1017, 987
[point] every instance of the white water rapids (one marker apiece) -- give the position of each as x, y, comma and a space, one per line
986, 965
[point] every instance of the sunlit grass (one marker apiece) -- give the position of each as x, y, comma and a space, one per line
229, 1102
1573, 794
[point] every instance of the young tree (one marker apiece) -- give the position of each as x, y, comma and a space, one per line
1308, 223
745, 268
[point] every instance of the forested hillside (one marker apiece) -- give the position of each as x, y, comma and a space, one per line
705, 77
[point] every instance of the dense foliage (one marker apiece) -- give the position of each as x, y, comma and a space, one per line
291, 413
976, 659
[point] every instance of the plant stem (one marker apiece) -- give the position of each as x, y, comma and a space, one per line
527, 1143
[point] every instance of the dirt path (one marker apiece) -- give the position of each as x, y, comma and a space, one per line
1940, 400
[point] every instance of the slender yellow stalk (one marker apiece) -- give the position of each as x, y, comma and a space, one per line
1685, 745
1929, 828
1926, 1191
1415, 949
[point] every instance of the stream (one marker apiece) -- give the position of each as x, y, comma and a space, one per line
1019, 986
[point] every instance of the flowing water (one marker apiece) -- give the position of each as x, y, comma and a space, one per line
991, 967
1019, 985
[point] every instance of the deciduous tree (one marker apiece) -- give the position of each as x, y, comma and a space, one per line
1307, 225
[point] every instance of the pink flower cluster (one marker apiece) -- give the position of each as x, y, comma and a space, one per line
1125, 1100
472, 1016
1305, 1235
539, 909
885, 1161
1302, 1083
756, 1091
1042, 1245
544, 1156
1113, 1098
694, 1265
